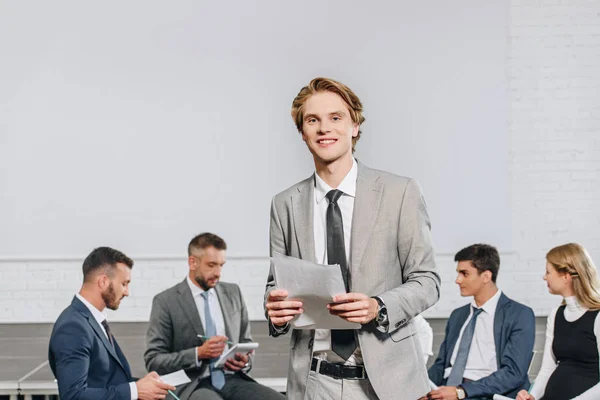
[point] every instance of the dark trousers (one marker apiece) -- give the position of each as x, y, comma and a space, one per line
237, 387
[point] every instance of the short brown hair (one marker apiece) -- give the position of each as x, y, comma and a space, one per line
328, 85
104, 259
204, 240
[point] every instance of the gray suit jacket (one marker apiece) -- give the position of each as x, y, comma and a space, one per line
391, 257
175, 323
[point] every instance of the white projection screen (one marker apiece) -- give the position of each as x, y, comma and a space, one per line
139, 124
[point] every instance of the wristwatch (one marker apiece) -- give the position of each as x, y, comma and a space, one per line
460, 393
382, 315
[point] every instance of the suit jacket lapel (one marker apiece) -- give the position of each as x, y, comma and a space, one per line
188, 306
123, 359
98, 330
366, 208
499, 317
226, 309
302, 211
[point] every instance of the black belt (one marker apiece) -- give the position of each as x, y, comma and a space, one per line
338, 371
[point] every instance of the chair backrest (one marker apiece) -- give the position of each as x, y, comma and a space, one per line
534, 352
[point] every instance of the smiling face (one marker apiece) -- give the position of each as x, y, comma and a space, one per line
328, 128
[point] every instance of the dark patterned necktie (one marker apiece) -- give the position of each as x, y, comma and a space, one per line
108, 333
343, 341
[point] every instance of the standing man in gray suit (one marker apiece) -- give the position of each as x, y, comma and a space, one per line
197, 308
376, 227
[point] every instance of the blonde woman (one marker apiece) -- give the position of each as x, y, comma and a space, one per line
571, 364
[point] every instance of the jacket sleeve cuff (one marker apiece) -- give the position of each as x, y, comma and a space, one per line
278, 330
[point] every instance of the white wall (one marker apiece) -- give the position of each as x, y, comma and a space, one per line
554, 78
139, 124
553, 142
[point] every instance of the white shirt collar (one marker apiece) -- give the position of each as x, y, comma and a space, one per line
196, 290
98, 315
489, 306
348, 184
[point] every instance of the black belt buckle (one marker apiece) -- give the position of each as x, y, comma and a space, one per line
338, 371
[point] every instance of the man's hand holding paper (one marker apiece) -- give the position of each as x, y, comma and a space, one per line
354, 307
281, 311
312, 288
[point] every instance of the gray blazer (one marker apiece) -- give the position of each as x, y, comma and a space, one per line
175, 323
391, 257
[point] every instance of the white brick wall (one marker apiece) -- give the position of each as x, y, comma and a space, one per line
554, 78
38, 290
554, 81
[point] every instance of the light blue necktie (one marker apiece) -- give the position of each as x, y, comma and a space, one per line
217, 377
458, 368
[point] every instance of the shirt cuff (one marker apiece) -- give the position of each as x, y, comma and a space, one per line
133, 390
280, 329
198, 362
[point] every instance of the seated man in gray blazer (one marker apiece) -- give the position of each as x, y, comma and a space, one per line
191, 323
488, 344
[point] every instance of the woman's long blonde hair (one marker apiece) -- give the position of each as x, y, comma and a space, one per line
573, 259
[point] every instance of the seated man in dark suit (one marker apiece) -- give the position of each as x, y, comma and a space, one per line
84, 355
488, 344
202, 308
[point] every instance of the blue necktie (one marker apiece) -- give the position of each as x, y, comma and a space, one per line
458, 368
217, 377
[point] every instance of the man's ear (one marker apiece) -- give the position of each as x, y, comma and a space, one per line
103, 281
487, 276
355, 130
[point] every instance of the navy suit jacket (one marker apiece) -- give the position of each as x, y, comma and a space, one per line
83, 360
514, 335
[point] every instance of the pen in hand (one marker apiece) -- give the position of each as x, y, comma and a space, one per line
208, 337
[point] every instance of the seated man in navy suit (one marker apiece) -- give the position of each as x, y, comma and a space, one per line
84, 355
488, 344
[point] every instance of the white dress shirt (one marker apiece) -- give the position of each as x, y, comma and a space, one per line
100, 317
322, 345
215, 313
573, 311
425, 336
482, 354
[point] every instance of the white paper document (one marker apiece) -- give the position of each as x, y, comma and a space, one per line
176, 378
236, 348
500, 397
314, 285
